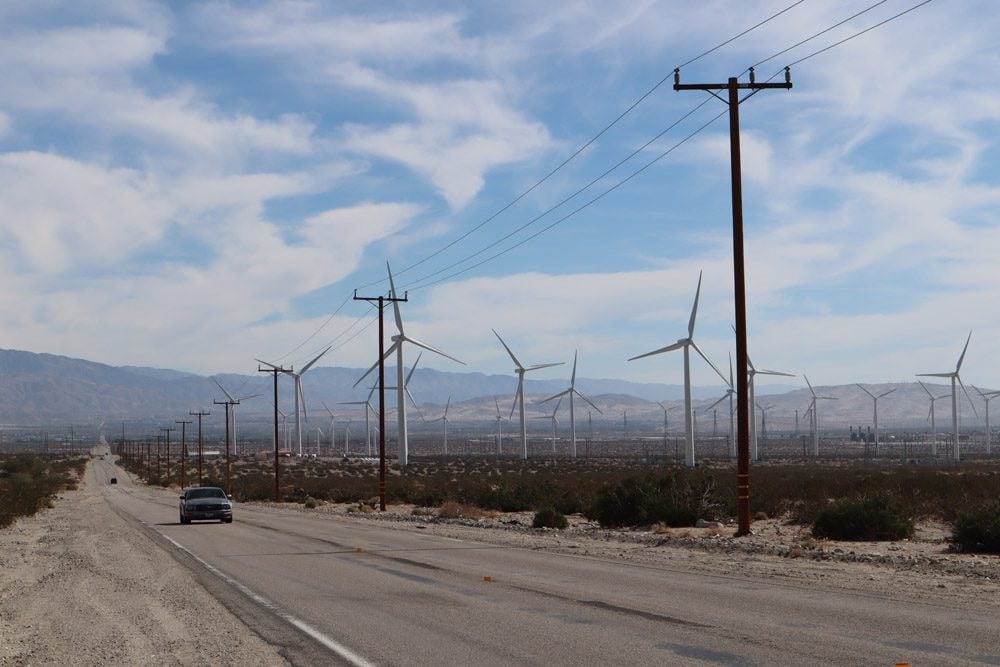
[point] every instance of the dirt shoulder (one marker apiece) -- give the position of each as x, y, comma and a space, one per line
80, 585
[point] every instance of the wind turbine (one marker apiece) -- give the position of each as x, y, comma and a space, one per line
397, 347
815, 414
300, 399
987, 397
520, 369
955, 378
369, 410
233, 403
752, 373
730, 392
555, 423
686, 344
499, 427
572, 415
444, 419
665, 423
931, 415
875, 410
763, 417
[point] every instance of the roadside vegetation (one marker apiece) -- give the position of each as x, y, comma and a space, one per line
883, 501
28, 483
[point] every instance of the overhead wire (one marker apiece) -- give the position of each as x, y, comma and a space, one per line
582, 148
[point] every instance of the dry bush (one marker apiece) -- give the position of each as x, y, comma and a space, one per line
455, 510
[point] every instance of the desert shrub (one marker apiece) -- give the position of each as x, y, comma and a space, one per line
549, 517
455, 510
978, 529
875, 517
673, 499
28, 484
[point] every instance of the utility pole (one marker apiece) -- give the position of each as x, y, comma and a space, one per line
201, 441
381, 301
733, 86
229, 469
184, 451
159, 441
277, 467
168, 430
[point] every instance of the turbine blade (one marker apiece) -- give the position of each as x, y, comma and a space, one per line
708, 361
517, 395
559, 395
505, 346
724, 397
669, 348
415, 406
935, 375
302, 397
572, 380
432, 349
412, 368
588, 401
887, 392
538, 366
810, 387
315, 359
961, 358
761, 371
959, 378
694, 308
924, 387
388, 353
865, 390
395, 304
219, 385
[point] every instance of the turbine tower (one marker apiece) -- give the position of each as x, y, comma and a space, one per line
955, 379
730, 392
875, 410
751, 374
397, 347
499, 427
572, 416
815, 414
931, 416
444, 419
555, 423
369, 410
232, 412
520, 369
686, 344
987, 397
300, 399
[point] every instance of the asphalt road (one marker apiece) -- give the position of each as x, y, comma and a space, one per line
375, 594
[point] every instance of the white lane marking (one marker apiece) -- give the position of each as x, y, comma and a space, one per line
338, 648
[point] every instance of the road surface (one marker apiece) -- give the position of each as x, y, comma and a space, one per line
384, 595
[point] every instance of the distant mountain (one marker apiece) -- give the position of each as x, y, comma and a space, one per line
51, 393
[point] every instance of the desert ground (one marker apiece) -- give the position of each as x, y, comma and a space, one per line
81, 584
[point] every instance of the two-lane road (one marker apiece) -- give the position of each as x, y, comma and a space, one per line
383, 595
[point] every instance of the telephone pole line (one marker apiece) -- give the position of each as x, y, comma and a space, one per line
733, 86
168, 430
201, 441
184, 451
229, 468
277, 466
381, 301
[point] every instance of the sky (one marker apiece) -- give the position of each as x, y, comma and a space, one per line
192, 185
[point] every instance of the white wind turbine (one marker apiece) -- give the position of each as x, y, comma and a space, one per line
520, 369
232, 410
333, 430
751, 374
555, 423
931, 416
499, 427
987, 397
686, 344
730, 392
369, 411
955, 379
815, 414
300, 405
665, 423
397, 347
875, 410
443, 419
572, 415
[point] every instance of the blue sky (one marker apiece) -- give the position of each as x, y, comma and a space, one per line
194, 184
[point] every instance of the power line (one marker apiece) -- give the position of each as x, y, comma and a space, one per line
576, 210
582, 148
565, 200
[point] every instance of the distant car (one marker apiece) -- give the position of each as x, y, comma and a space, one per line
205, 503
114, 480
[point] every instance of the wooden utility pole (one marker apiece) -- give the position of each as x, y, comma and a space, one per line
168, 430
184, 451
277, 467
381, 301
201, 442
229, 465
743, 407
